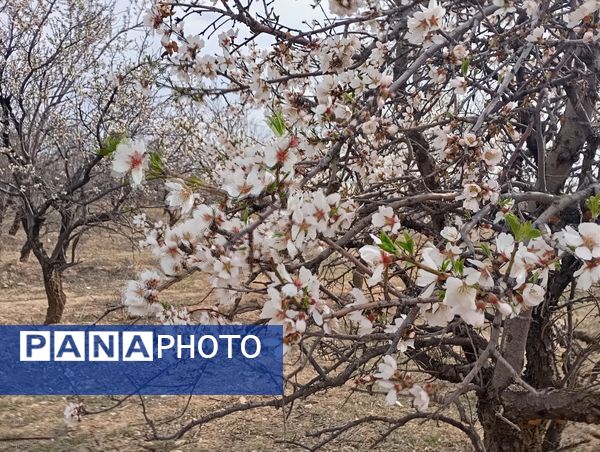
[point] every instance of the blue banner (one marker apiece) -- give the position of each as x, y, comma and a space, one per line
141, 359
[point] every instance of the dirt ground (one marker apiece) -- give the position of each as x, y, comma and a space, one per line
36, 423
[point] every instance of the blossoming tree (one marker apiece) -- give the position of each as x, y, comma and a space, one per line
64, 73
423, 222
75, 82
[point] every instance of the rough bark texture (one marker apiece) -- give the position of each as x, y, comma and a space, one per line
502, 435
513, 350
3, 209
575, 405
518, 409
53, 284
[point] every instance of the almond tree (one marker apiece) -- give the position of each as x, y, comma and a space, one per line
428, 204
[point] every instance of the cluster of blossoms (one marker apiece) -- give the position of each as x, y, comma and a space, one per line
310, 214
585, 244
174, 316
583, 13
474, 194
424, 25
293, 300
255, 170
141, 296
336, 53
479, 187
393, 382
200, 240
346, 7
473, 286
510, 276
386, 168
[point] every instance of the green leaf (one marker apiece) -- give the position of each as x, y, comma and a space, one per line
157, 165
445, 266
194, 181
535, 277
458, 266
245, 215
523, 232
513, 223
408, 244
109, 148
277, 124
272, 187
283, 196
593, 203
528, 232
486, 249
464, 68
386, 243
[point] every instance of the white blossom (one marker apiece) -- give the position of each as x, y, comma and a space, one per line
130, 158
180, 196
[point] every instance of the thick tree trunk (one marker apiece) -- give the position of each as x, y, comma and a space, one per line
521, 421
53, 283
502, 435
3, 210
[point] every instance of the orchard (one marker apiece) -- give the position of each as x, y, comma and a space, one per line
420, 211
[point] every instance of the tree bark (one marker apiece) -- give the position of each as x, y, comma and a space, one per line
517, 420
33, 236
25, 252
503, 435
574, 405
16, 224
53, 284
